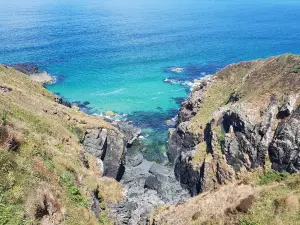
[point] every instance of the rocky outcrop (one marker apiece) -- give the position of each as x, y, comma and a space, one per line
223, 131
190, 106
110, 147
285, 147
131, 132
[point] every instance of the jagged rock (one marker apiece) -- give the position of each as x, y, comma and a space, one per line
287, 107
181, 140
95, 141
188, 176
285, 148
62, 102
146, 191
244, 141
191, 105
5, 89
109, 146
114, 155
152, 183
131, 132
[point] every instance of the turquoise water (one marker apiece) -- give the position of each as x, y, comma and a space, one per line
116, 54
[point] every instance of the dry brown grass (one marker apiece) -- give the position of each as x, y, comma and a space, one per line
49, 148
205, 207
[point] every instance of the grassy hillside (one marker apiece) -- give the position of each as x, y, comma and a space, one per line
44, 178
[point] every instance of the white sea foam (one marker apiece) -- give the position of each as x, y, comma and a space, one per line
176, 69
108, 93
179, 82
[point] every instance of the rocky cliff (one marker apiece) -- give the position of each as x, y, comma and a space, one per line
241, 122
237, 120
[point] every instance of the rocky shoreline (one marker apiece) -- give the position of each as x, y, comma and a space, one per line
147, 185
238, 135
222, 131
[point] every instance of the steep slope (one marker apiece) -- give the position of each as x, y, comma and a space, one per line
52, 158
242, 120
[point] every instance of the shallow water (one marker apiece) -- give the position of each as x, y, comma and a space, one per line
116, 54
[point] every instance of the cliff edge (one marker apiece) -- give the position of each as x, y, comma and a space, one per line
239, 127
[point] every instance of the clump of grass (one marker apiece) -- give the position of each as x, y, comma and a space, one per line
196, 216
104, 219
77, 131
3, 124
272, 176
296, 69
67, 179
245, 222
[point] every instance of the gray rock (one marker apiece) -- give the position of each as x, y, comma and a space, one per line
135, 160
95, 141
131, 132
285, 148
287, 107
147, 191
110, 147
158, 169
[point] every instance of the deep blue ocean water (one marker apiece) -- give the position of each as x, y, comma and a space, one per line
116, 54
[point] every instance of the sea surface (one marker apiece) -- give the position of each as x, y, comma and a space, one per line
138, 57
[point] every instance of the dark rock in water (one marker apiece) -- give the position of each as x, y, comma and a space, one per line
285, 148
62, 102
27, 68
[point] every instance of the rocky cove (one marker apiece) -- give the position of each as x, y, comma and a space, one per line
147, 184
243, 119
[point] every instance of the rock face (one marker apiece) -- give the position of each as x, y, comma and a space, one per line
285, 148
110, 147
228, 124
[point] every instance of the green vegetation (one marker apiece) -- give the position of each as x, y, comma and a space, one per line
76, 130
104, 219
296, 69
3, 124
272, 176
67, 179
245, 222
